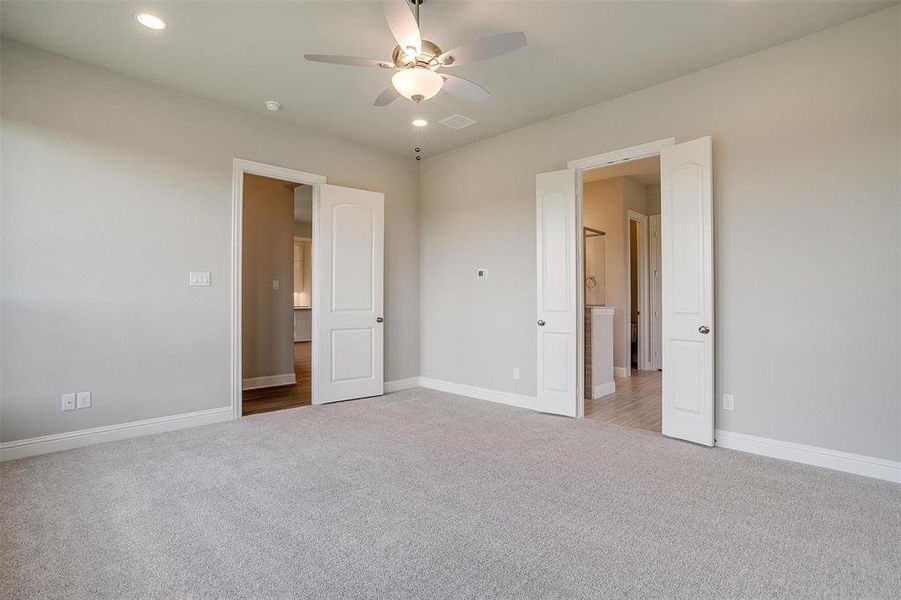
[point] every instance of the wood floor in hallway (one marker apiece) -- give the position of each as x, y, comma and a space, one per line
284, 396
635, 403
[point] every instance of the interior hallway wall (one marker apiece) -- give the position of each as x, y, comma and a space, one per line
652, 199
267, 319
806, 140
113, 190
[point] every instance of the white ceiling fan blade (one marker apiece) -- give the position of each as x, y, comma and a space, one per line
464, 88
388, 95
353, 61
403, 25
483, 49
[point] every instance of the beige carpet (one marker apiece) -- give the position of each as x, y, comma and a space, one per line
422, 494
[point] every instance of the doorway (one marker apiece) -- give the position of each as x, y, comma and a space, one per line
346, 291
276, 294
686, 287
620, 387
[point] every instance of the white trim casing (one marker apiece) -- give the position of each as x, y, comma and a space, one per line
601, 390
624, 154
642, 244
241, 166
655, 296
622, 372
585, 164
858, 464
255, 383
110, 433
508, 398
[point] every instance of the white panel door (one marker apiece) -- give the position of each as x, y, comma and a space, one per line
557, 321
348, 256
686, 189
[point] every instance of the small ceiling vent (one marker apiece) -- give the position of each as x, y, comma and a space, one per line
457, 121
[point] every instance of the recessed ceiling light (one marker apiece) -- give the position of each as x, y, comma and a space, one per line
272, 105
150, 21
420, 123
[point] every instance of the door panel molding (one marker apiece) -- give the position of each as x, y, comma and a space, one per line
557, 320
686, 228
348, 238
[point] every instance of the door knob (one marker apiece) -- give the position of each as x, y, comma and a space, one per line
704, 329
540, 323
379, 320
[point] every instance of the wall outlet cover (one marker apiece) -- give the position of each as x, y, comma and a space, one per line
275, 284
83, 400
728, 402
67, 402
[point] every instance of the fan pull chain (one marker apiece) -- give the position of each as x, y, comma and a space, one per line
418, 148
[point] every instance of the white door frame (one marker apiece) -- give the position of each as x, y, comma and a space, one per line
642, 243
586, 164
655, 316
239, 169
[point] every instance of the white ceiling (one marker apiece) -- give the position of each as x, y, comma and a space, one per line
645, 170
579, 53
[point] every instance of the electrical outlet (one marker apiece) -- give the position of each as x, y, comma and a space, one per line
275, 284
728, 402
68, 402
83, 400
515, 372
199, 279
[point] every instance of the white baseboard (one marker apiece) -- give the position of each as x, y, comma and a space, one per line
401, 384
602, 389
868, 466
622, 372
254, 383
110, 433
507, 398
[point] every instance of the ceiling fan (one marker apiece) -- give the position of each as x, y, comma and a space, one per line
416, 61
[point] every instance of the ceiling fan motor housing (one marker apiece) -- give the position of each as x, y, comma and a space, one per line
427, 58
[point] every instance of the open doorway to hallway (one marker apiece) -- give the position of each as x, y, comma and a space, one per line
623, 334
277, 293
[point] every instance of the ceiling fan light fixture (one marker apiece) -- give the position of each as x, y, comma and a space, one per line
417, 83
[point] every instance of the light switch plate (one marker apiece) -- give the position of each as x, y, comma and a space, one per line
199, 279
67, 402
482, 273
515, 372
83, 400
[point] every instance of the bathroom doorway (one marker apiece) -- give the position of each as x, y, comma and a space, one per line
564, 205
618, 202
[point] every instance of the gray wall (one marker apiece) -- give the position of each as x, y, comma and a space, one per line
652, 199
806, 178
112, 191
267, 315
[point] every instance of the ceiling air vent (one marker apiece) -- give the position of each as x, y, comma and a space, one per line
457, 121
